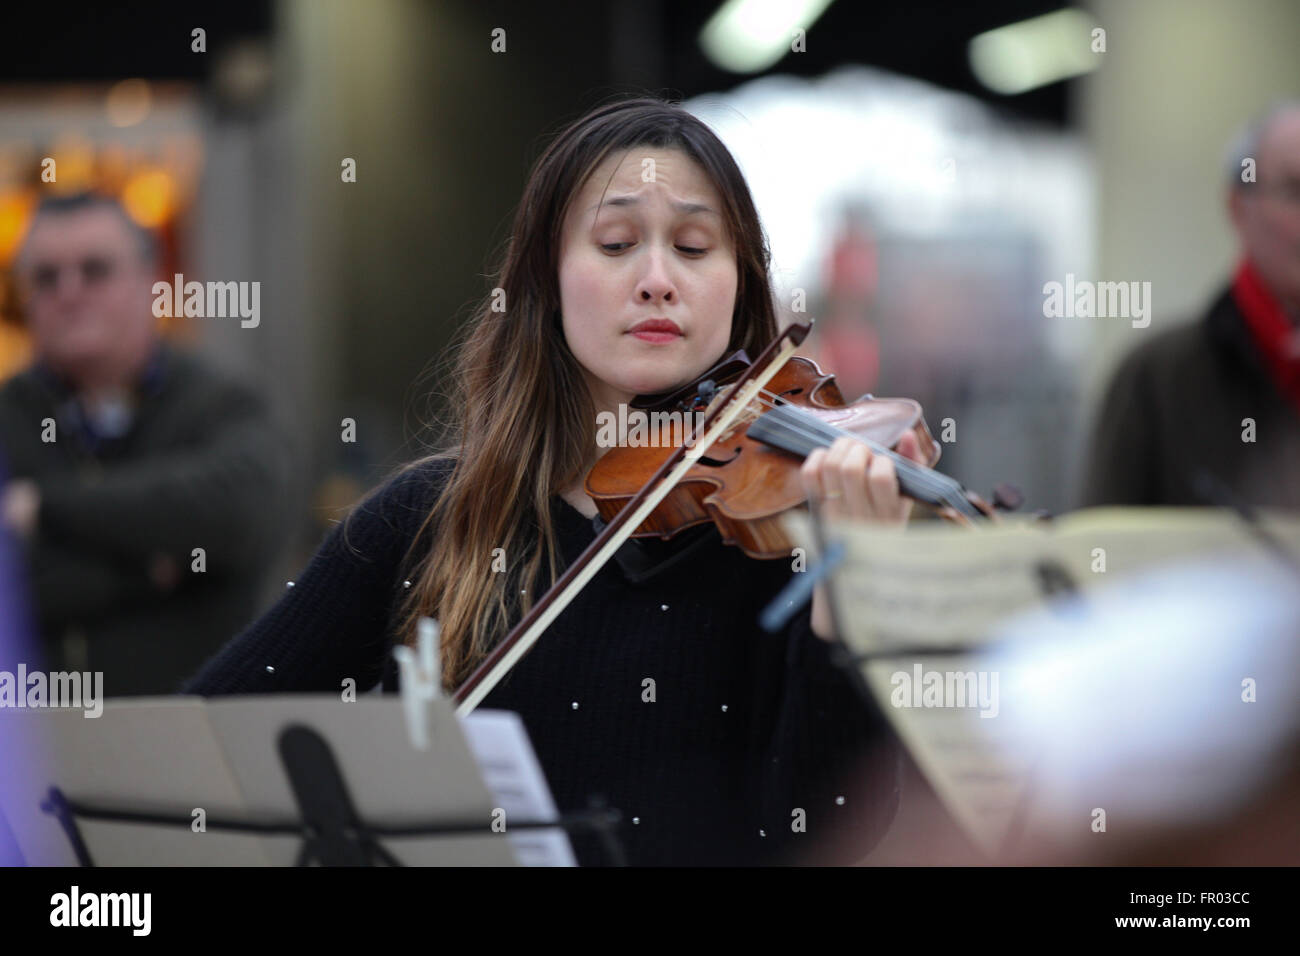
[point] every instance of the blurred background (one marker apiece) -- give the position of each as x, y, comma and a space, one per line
918, 192
922, 170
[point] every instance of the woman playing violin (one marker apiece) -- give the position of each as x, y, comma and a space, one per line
636, 262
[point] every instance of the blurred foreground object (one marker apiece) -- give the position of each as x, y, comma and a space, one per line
1167, 708
1116, 686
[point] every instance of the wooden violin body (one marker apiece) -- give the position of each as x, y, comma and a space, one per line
743, 483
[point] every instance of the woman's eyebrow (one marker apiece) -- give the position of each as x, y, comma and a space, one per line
685, 208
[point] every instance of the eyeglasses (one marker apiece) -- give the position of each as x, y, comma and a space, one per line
95, 270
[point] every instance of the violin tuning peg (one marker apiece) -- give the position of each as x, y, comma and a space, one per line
1007, 497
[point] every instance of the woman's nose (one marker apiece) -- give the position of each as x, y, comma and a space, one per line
656, 284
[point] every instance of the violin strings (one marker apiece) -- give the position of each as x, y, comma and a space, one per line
918, 479
799, 424
814, 430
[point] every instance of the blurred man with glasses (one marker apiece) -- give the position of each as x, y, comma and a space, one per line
145, 485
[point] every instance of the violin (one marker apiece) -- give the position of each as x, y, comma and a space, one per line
738, 469
750, 476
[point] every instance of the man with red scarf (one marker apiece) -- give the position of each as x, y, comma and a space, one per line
1219, 399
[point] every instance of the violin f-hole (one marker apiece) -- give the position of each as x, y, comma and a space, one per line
718, 462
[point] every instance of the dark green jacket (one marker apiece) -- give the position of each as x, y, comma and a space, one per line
202, 466
1176, 407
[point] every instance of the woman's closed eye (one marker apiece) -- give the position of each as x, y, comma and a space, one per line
615, 247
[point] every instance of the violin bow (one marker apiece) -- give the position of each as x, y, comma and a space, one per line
597, 554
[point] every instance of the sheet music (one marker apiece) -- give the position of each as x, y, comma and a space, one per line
511, 771
938, 586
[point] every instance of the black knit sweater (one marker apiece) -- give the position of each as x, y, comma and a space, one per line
746, 729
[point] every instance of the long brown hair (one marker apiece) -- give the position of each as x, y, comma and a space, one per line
522, 421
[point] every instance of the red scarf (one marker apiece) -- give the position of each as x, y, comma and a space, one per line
1276, 337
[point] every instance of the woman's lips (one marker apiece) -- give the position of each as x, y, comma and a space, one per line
658, 331
648, 336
